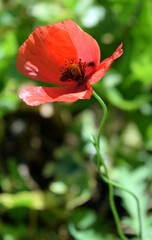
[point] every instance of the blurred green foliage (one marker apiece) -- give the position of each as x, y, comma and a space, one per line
49, 188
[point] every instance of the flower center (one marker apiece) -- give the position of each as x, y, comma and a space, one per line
76, 72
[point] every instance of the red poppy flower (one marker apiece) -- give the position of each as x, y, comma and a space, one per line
64, 55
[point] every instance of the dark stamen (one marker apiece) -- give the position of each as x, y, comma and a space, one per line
91, 64
75, 72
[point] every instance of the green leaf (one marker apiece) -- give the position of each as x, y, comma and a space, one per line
89, 234
134, 181
116, 98
34, 200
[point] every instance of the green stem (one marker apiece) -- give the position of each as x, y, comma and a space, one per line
111, 194
105, 113
101, 161
134, 196
107, 178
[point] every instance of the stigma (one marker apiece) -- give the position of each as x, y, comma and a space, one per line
75, 71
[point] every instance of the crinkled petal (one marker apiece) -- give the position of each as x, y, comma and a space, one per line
105, 65
44, 52
35, 96
87, 48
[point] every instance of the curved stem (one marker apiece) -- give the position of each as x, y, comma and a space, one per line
111, 193
105, 114
107, 179
134, 196
101, 161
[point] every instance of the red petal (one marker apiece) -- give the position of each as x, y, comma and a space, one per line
105, 65
35, 96
86, 46
44, 52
